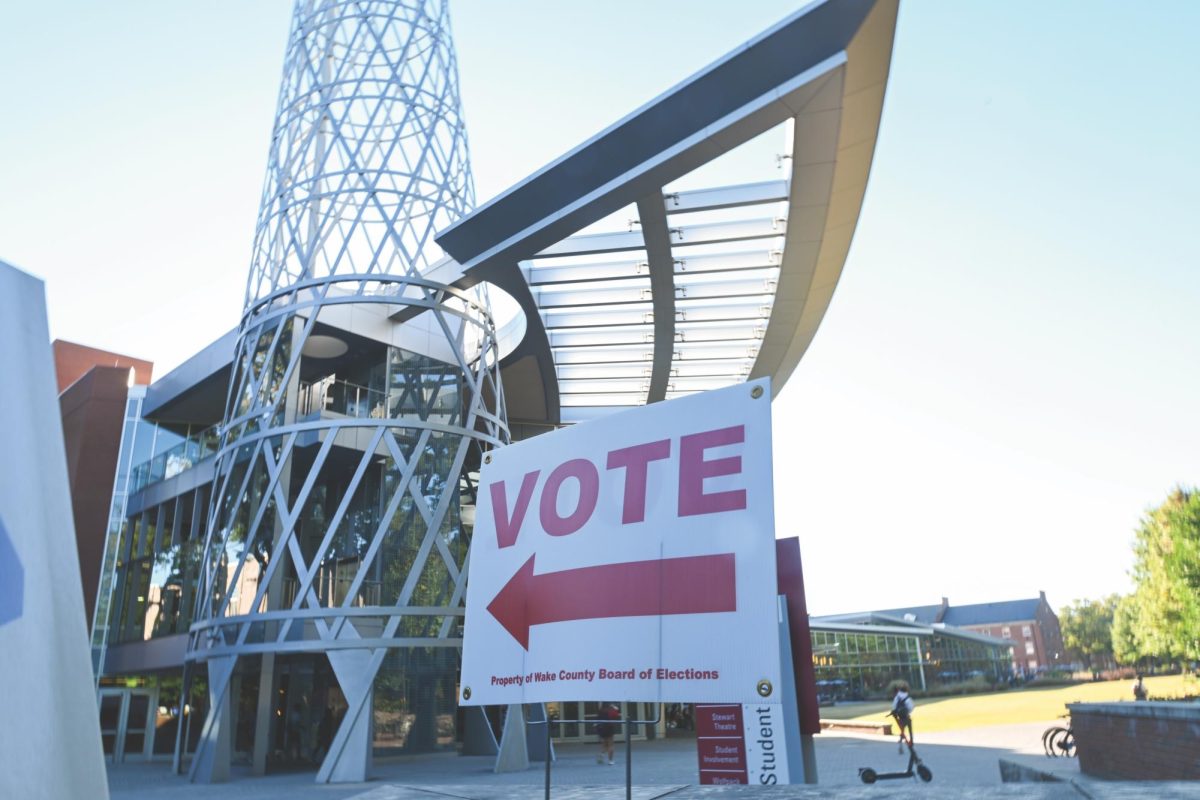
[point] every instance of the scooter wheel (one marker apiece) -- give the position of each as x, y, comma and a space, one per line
924, 773
867, 775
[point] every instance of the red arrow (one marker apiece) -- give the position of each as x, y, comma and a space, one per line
690, 585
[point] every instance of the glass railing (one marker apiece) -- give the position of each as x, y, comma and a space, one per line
343, 398
347, 399
183, 456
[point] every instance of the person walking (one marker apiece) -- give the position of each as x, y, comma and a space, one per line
902, 708
1139, 689
606, 728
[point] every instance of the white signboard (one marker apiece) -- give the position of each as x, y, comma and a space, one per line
629, 558
50, 726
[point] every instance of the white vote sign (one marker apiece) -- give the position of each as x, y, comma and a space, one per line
49, 725
629, 558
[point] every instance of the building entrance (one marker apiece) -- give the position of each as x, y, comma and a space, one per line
127, 718
307, 707
586, 731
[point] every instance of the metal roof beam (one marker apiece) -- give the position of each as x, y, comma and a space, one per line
712, 233
657, 235
748, 194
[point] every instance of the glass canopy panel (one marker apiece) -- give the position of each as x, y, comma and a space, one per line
594, 288
703, 263
572, 337
573, 414
742, 348
630, 369
736, 231
701, 368
673, 394
727, 288
717, 332
599, 316
697, 310
701, 384
613, 385
603, 355
626, 290
604, 399
728, 216
558, 272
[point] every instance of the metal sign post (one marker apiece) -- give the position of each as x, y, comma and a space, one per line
628, 723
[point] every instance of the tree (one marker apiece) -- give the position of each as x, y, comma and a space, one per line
1125, 641
1166, 573
1087, 630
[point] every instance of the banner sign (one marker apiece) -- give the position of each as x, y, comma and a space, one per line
629, 558
50, 725
741, 744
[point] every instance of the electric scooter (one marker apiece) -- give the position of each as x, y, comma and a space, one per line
915, 766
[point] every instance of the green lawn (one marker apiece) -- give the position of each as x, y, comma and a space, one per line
1028, 704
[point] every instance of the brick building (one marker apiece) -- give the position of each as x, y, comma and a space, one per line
1031, 625
93, 388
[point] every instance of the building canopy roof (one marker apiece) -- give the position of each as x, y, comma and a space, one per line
703, 287
698, 286
880, 622
1004, 611
923, 614
992, 613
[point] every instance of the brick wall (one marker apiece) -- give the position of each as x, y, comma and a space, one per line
72, 361
1050, 633
1138, 741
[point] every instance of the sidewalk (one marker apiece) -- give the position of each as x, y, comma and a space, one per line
965, 765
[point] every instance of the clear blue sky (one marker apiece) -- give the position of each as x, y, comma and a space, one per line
1007, 376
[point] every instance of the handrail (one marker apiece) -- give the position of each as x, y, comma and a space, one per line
331, 394
178, 458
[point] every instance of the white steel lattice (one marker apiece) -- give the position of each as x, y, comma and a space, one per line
368, 159
369, 156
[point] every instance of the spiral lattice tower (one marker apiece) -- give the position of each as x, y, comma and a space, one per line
362, 395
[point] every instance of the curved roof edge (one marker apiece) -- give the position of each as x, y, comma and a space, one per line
812, 265
825, 68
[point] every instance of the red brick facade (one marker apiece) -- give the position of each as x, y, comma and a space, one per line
73, 361
1037, 641
93, 387
1138, 741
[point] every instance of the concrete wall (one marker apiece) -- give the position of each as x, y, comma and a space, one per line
1138, 741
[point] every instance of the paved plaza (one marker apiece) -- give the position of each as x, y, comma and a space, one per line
965, 764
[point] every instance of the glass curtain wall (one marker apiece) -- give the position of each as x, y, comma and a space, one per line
158, 560
854, 665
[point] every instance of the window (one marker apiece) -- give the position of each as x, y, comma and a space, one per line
1029, 648
1006, 632
1026, 632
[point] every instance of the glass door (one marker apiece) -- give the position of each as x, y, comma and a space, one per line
112, 706
127, 724
138, 742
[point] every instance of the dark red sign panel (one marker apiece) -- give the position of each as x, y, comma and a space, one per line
720, 745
